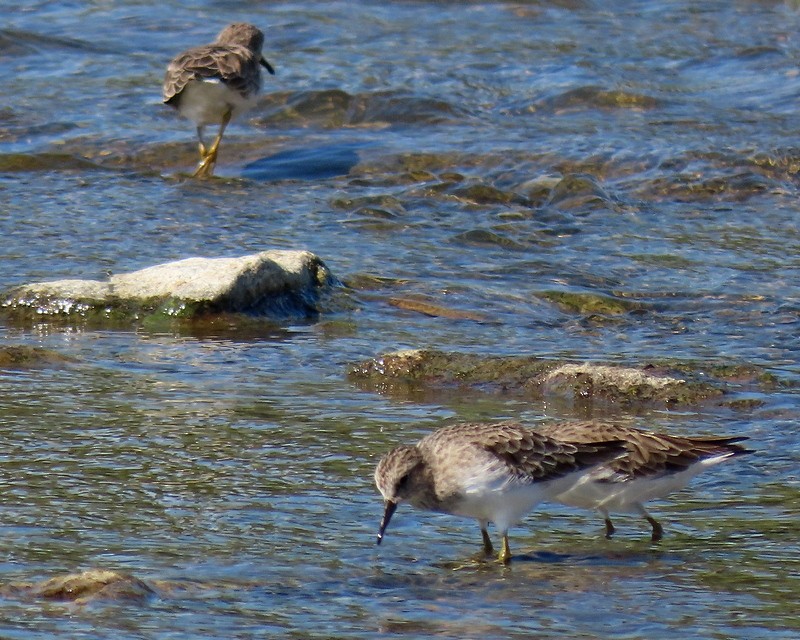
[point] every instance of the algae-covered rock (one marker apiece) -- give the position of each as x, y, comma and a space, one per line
23, 357
593, 97
435, 310
85, 587
591, 303
29, 162
423, 366
533, 377
271, 283
488, 237
579, 192
625, 385
487, 194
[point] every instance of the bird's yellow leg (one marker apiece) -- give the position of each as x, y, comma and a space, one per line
215, 145
200, 144
505, 553
206, 167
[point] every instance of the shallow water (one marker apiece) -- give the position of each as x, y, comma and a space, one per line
417, 148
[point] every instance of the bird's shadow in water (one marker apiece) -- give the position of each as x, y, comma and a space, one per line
484, 561
543, 557
598, 558
315, 163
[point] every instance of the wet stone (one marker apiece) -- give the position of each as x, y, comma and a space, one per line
36, 162
24, 357
271, 283
485, 194
436, 310
486, 237
336, 108
85, 587
381, 202
371, 282
579, 192
533, 377
326, 108
591, 97
591, 303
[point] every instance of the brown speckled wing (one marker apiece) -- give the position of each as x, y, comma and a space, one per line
531, 456
234, 65
648, 453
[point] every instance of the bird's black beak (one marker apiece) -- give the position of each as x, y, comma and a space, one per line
387, 515
263, 62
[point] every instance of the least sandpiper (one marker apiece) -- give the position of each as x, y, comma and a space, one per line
655, 465
491, 472
215, 83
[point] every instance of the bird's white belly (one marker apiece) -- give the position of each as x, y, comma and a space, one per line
503, 508
625, 496
506, 502
206, 102
589, 495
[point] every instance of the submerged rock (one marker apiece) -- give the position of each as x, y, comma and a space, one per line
623, 384
593, 97
271, 283
433, 309
579, 192
24, 357
336, 108
530, 376
85, 587
591, 303
30, 162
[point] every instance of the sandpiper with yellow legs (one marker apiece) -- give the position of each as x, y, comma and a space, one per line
215, 83
490, 472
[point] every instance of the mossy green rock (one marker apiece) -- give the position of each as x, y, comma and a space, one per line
24, 357
24, 162
271, 283
534, 377
579, 192
591, 303
84, 587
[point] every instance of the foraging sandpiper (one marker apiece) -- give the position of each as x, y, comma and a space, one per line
491, 472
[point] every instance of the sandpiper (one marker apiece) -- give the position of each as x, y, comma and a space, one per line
491, 472
215, 83
655, 465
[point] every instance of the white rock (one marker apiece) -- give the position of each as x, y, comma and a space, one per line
239, 284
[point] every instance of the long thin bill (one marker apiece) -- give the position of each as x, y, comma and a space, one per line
387, 515
267, 66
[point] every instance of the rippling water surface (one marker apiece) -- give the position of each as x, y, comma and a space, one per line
472, 156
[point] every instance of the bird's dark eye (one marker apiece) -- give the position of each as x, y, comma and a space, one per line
402, 483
